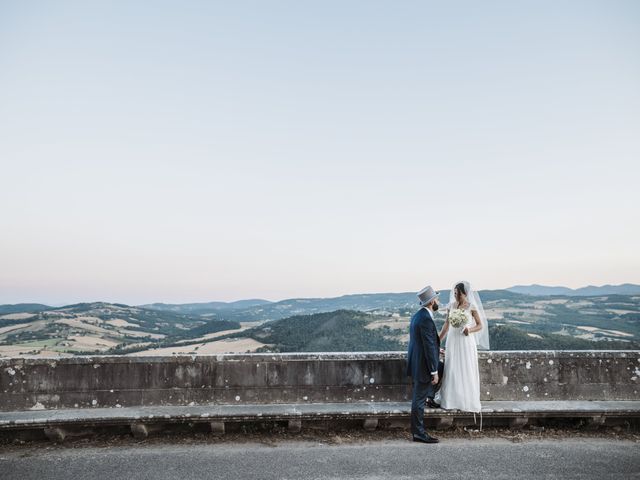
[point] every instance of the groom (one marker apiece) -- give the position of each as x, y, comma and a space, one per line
423, 362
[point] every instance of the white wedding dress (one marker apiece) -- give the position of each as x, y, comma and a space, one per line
461, 379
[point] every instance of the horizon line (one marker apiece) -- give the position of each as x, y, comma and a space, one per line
58, 305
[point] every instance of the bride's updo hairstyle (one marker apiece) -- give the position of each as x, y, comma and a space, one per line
461, 289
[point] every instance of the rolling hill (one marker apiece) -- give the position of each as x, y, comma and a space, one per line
86, 328
23, 308
590, 291
338, 331
297, 306
517, 320
206, 307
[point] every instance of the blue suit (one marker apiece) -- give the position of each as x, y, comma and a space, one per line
423, 358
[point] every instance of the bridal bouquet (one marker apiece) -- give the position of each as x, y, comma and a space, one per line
457, 318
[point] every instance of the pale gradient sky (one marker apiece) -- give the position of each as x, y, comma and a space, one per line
196, 151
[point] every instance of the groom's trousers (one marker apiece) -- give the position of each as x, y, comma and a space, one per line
422, 391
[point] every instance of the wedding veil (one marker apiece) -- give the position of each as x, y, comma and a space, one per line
482, 337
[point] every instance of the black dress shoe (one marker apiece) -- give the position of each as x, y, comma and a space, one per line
431, 403
426, 439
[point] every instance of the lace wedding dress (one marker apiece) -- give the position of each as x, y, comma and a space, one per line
461, 379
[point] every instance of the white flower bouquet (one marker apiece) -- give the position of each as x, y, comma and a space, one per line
457, 318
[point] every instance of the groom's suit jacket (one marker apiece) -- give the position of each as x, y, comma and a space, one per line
424, 347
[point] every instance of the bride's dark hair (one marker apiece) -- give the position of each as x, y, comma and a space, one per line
461, 289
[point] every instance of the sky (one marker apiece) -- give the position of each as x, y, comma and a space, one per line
196, 151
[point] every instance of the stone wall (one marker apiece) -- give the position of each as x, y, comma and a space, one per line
113, 381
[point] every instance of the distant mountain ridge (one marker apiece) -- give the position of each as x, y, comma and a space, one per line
364, 302
589, 291
403, 302
260, 309
204, 307
23, 307
294, 306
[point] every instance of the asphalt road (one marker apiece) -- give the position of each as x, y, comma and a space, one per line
456, 458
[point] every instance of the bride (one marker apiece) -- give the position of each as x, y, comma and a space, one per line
461, 380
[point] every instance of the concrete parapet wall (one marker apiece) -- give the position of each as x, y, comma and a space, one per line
118, 381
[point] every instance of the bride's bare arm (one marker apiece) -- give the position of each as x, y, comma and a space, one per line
445, 328
478, 325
